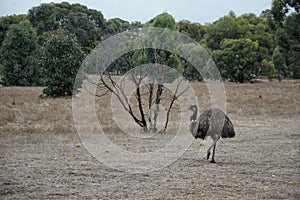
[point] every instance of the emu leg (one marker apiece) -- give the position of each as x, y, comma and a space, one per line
208, 151
213, 156
213, 145
208, 154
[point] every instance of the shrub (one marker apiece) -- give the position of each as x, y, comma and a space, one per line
62, 59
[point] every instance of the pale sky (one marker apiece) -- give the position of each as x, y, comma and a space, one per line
202, 11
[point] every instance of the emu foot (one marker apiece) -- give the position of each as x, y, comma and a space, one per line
212, 161
208, 154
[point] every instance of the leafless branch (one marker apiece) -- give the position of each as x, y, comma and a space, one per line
174, 98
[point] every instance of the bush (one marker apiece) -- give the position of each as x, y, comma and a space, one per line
20, 56
62, 59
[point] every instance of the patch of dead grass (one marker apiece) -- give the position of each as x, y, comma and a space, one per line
22, 110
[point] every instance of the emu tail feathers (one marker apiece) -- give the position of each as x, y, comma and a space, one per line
228, 129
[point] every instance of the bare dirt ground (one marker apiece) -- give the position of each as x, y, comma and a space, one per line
42, 156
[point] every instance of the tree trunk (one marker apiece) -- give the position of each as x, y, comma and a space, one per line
159, 91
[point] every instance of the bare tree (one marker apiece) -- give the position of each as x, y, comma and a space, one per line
149, 85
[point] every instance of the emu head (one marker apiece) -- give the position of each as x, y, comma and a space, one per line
193, 108
194, 115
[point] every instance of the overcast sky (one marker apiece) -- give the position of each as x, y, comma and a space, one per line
202, 11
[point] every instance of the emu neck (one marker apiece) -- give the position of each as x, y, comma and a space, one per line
194, 115
193, 124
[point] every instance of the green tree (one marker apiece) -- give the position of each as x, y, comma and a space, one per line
286, 55
224, 28
280, 53
19, 56
292, 29
62, 59
140, 57
115, 25
193, 30
268, 69
43, 18
190, 72
5, 23
267, 15
280, 8
247, 27
164, 20
279, 63
87, 24
236, 59
175, 63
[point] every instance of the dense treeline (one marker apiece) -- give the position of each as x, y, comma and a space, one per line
243, 47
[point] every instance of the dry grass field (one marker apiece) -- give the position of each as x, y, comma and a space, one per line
42, 156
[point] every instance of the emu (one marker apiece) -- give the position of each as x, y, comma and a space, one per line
214, 123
